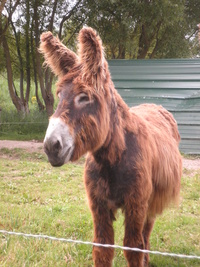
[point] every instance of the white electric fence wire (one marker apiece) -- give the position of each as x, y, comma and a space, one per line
23, 122
100, 245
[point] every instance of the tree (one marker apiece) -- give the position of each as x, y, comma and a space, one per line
17, 100
143, 29
46, 21
21, 55
11, 87
6, 19
192, 11
129, 29
24, 62
2, 4
199, 34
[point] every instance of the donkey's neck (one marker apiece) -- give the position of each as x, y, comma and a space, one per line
112, 149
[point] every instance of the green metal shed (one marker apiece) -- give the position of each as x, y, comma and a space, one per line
172, 83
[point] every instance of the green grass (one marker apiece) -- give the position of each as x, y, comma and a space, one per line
36, 198
190, 156
14, 126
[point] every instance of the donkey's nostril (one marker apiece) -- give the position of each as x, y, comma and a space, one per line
57, 146
52, 146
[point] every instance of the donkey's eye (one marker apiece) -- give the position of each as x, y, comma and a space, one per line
81, 100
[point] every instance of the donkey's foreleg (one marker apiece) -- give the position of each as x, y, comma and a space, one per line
134, 223
148, 227
104, 234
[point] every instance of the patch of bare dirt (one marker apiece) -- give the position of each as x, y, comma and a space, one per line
35, 146
30, 146
191, 164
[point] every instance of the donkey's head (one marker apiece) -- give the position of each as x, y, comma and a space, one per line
82, 118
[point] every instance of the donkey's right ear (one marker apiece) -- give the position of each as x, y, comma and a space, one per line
57, 56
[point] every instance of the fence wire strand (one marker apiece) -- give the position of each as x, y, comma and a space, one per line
39, 236
23, 122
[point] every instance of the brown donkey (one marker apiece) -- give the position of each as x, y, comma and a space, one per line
133, 160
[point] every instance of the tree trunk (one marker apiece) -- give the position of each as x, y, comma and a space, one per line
2, 4
66, 17
40, 105
8, 19
23, 100
121, 51
45, 81
28, 68
13, 94
50, 27
143, 44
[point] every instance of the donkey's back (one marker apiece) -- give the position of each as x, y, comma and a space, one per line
159, 118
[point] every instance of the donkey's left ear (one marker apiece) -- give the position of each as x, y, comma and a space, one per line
57, 56
91, 54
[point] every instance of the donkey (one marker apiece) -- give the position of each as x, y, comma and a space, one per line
133, 161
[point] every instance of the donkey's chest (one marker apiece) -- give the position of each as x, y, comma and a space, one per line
112, 190
109, 184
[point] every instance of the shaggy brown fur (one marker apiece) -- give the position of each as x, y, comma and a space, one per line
133, 160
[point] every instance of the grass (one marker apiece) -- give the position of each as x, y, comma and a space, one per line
36, 198
14, 126
190, 156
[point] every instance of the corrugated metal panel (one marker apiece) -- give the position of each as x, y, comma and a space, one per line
174, 84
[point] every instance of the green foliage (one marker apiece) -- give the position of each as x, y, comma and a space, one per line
130, 29
143, 29
39, 199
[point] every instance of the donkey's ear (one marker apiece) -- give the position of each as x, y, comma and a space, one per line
91, 54
57, 56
